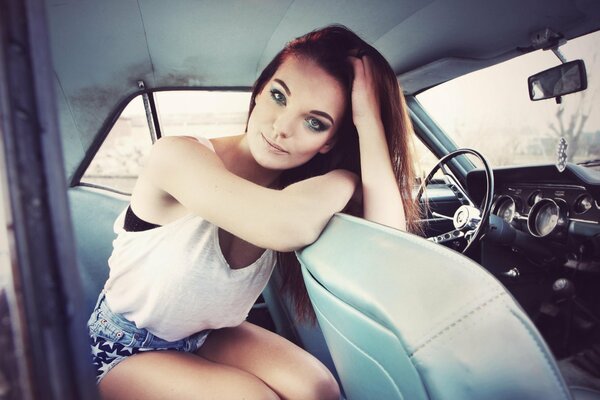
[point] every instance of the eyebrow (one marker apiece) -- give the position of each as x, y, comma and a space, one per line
317, 112
323, 114
282, 83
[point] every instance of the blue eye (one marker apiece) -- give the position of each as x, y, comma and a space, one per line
315, 125
278, 97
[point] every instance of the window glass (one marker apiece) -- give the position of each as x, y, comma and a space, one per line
424, 159
117, 163
490, 110
202, 113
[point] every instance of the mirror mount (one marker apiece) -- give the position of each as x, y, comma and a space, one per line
547, 39
559, 54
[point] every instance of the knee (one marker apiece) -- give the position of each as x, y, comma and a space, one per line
321, 387
327, 388
266, 395
259, 391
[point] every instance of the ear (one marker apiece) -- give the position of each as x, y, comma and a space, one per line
328, 145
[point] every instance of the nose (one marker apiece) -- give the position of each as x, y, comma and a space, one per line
282, 125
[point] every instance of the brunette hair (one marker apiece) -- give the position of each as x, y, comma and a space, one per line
329, 48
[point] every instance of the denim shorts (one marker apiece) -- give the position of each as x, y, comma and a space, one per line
114, 338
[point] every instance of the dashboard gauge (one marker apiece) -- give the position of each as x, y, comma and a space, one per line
505, 208
534, 198
546, 220
547, 217
583, 203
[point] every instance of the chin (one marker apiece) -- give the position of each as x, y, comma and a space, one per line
277, 165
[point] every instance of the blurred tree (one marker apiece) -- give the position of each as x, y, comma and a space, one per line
570, 125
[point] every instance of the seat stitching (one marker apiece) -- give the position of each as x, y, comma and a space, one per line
440, 323
457, 322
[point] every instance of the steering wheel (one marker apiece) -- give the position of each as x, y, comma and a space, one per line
470, 222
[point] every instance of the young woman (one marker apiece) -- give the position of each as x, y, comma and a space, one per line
327, 126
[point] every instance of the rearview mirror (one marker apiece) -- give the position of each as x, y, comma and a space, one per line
554, 82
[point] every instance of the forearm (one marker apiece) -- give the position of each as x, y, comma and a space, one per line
295, 216
319, 198
382, 202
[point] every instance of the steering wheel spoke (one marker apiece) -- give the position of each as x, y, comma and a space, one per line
438, 215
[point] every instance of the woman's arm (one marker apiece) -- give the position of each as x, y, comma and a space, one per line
382, 202
282, 220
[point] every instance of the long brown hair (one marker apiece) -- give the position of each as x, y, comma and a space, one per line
330, 48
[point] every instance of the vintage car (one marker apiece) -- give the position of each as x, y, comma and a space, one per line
497, 298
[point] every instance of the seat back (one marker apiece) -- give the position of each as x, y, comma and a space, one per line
405, 318
94, 213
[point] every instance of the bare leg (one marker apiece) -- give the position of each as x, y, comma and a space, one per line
289, 370
181, 376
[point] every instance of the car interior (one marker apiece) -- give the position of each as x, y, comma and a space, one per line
497, 297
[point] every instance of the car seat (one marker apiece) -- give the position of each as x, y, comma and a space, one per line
405, 318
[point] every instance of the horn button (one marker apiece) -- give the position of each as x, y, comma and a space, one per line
466, 217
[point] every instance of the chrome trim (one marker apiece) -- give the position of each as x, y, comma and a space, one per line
546, 185
497, 202
432, 220
584, 221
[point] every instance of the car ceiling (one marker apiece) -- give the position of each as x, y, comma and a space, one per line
102, 48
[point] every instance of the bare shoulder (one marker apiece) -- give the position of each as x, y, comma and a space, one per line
176, 146
171, 153
344, 174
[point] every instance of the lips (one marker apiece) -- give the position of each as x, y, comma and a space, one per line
274, 147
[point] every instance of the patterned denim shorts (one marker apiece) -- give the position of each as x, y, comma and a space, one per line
113, 338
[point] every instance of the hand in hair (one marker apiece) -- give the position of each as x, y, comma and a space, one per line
365, 99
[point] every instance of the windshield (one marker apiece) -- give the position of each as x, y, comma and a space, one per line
490, 110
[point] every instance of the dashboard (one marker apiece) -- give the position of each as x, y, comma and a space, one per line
545, 209
559, 211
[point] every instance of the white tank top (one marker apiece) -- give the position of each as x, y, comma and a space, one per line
174, 281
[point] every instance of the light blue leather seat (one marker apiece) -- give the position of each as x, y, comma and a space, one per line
94, 213
408, 319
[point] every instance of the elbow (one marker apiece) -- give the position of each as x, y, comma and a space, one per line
295, 236
305, 238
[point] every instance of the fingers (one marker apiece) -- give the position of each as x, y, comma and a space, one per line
367, 68
363, 68
359, 70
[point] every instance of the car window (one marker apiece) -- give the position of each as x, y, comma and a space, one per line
490, 109
117, 163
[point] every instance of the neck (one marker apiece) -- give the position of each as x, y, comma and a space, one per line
236, 155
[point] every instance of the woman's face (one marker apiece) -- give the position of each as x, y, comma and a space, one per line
296, 115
